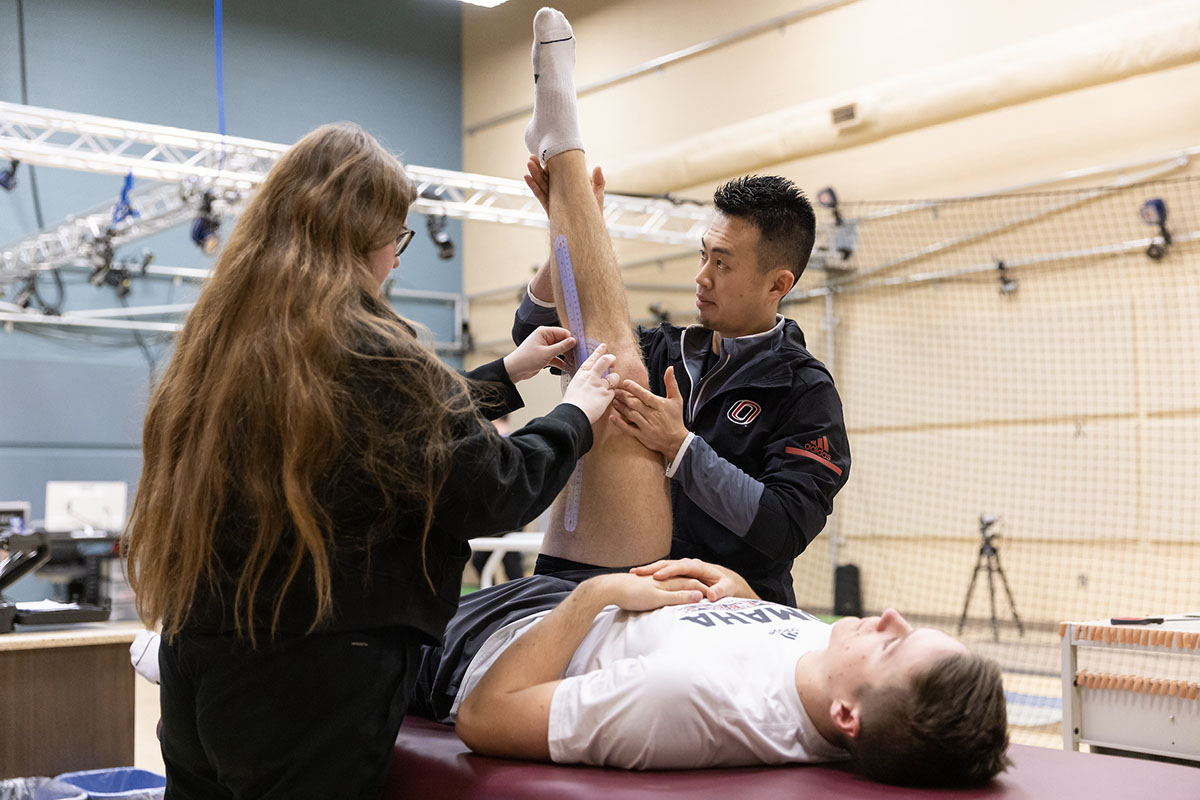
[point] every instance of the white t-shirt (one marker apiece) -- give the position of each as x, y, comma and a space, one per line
701, 685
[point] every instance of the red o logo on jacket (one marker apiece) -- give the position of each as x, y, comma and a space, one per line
743, 412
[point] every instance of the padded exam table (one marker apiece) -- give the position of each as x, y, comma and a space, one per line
431, 762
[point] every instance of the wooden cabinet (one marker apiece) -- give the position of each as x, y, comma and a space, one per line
66, 700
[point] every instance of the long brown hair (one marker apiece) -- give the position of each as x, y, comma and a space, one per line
255, 404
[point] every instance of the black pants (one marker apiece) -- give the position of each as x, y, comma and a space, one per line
480, 614
306, 717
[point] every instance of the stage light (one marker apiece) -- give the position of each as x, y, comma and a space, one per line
845, 234
827, 197
1154, 212
24, 298
101, 256
436, 225
8, 177
118, 278
206, 225
1008, 285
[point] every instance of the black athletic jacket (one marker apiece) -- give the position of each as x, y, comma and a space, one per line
496, 484
757, 482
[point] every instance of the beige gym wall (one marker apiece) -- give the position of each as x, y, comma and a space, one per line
869, 43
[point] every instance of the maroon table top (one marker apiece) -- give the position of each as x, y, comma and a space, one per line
431, 762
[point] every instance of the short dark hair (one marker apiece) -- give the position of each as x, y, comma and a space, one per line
947, 729
780, 211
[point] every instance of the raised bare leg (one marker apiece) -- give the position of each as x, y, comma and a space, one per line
624, 514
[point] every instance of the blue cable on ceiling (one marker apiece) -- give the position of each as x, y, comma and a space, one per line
220, 77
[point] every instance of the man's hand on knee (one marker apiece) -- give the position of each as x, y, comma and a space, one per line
656, 422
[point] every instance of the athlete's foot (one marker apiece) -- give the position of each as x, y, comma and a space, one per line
554, 127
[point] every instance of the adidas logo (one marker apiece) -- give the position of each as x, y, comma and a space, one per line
817, 450
819, 446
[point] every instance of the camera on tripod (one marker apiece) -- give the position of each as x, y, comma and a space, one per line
989, 561
986, 521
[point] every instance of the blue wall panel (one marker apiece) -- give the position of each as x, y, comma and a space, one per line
71, 406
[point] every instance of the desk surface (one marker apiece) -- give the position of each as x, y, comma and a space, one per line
41, 637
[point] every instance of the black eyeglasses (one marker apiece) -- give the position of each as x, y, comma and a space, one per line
403, 239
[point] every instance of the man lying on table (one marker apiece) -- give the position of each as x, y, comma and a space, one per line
680, 665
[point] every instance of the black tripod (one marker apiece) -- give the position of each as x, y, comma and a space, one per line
989, 559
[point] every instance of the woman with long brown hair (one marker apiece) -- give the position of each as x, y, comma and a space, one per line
311, 474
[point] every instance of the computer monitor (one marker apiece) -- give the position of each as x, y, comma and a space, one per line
75, 505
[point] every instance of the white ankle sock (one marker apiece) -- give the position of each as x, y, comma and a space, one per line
555, 125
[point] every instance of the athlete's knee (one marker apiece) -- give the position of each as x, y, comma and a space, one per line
629, 364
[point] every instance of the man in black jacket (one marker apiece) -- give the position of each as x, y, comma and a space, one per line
747, 421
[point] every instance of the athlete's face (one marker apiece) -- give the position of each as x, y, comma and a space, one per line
883, 650
733, 295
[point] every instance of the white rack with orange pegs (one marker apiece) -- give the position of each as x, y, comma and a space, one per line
1139, 711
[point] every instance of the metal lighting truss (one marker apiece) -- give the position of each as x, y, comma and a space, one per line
153, 152
184, 165
193, 162
157, 207
487, 199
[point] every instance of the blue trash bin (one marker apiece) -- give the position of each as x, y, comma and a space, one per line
128, 783
39, 789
